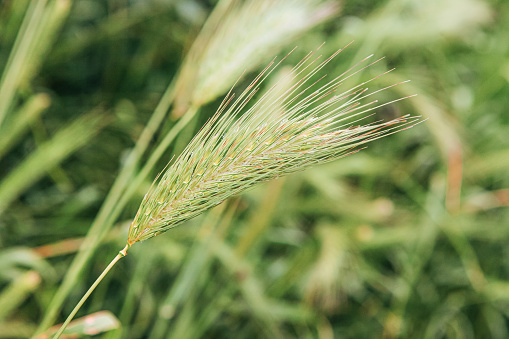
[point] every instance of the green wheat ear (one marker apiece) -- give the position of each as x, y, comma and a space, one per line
285, 130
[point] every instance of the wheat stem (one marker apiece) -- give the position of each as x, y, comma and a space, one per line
109, 210
120, 254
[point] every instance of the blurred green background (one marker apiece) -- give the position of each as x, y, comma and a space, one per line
406, 239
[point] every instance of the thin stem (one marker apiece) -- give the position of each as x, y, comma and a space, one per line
109, 210
89, 292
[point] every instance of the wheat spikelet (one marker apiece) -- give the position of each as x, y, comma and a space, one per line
284, 131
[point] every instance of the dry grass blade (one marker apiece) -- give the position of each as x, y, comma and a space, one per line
284, 131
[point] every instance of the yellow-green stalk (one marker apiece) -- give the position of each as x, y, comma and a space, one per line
284, 131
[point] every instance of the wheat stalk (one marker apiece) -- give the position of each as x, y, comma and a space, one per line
286, 130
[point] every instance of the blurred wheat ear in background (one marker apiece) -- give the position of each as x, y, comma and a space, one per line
286, 130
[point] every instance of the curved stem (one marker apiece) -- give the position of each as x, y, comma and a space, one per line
90, 290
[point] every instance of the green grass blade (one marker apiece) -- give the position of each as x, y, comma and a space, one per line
51, 153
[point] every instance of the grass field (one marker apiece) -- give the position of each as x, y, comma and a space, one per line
408, 238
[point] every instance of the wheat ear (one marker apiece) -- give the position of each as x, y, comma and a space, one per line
284, 131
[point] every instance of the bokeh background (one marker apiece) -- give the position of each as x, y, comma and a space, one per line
406, 239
